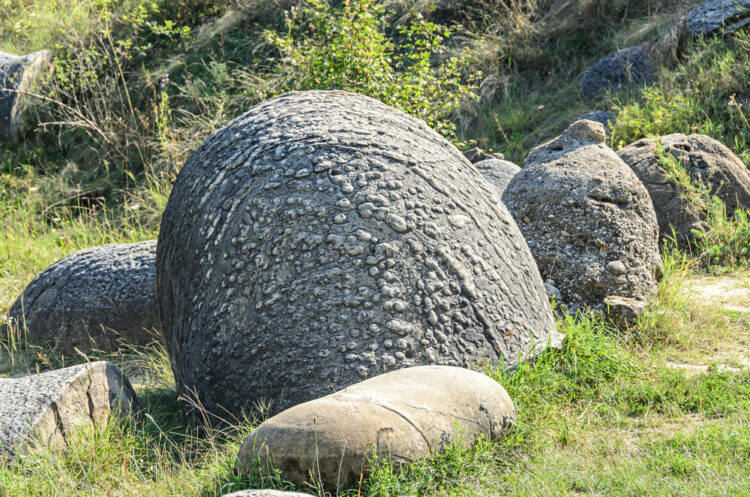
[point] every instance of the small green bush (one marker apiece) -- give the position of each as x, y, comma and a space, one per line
348, 49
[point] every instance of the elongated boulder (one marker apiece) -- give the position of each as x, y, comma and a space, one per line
498, 173
102, 297
715, 16
18, 74
324, 237
43, 411
709, 165
409, 414
588, 220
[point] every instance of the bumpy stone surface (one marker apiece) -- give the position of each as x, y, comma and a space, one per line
43, 411
17, 75
619, 70
587, 218
96, 298
324, 237
714, 16
600, 116
707, 162
410, 414
265, 493
498, 173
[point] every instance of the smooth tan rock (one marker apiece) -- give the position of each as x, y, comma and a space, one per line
43, 411
409, 413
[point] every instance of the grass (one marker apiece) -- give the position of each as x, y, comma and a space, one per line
607, 413
659, 409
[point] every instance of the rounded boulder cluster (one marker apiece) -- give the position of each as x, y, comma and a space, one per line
323, 238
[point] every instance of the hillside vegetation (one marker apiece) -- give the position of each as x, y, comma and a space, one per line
660, 409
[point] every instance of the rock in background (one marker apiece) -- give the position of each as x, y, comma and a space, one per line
45, 410
410, 414
324, 237
715, 16
588, 220
619, 70
707, 162
498, 173
101, 297
18, 74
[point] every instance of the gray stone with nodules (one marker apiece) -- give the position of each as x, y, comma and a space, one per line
98, 298
588, 220
324, 237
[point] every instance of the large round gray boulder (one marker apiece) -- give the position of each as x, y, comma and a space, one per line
715, 16
44, 411
409, 414
324, 237
102, 297
18, 74
619, 70
709, 165
498, 173
588, 220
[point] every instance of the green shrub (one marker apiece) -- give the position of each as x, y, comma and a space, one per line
348, 49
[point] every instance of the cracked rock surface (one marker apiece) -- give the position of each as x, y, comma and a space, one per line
410, 413
17, 74
713, 16
706, 161
498, 173
324, 237
44, 410
588, 220
101, 298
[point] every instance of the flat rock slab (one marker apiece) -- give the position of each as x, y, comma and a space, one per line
708, 164
410, 414
43, 411
324, 237
619, 70
18, 74
102, 297
589, 222
715, 16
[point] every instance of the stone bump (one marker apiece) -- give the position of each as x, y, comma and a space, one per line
266, 295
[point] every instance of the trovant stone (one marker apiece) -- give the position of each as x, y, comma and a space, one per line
498, 173
101, 297
708, 163
587, 218
619, 70
18, 74
43, 411
713, 16
324, 237
410, 414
